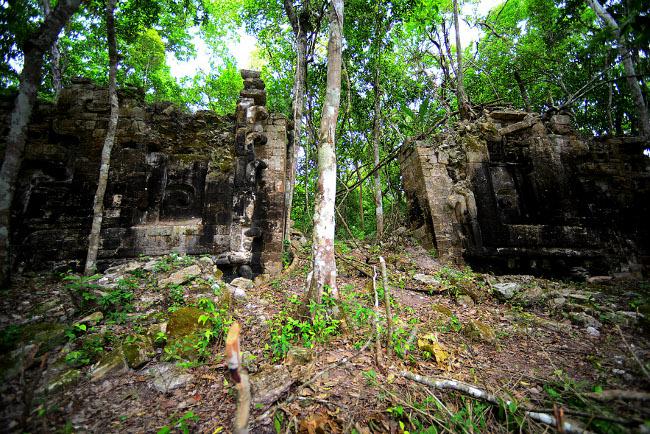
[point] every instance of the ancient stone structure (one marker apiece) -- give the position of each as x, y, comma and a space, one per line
190, 183
514, 192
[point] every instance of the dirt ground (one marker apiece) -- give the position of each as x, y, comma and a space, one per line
550, 347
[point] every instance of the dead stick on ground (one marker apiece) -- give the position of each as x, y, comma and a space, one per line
613, 394
240, 377
351, 263
631, 350
475, 392
377, 342
389, 317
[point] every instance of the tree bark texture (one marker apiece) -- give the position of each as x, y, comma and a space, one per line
109, 140
30, 77
628, 66
55, 58
460, 88
361, 216
324, 262
299, 84
376, 133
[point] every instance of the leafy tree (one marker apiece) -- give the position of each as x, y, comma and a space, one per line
34, 49
324, 261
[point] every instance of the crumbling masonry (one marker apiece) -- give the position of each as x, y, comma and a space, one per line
514, 192
188, 183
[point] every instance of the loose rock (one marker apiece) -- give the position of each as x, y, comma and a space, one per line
505, 291
167, 377
181, 276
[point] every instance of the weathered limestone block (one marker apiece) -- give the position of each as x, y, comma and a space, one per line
258, 95
525, 193
178, 182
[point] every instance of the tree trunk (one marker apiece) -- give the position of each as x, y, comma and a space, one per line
30, 77
361, 216
460, 88
628, 65
299, 84
109, 140
376, 132
55, 58
324, 262
522, 91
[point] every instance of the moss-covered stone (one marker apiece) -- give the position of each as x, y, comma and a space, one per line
469, 288
63, 380
46, 335
11, 363
183, 322
112, 363
138, 351
442, 310
479, 331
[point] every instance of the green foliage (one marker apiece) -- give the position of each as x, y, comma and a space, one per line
87, 349
118, 302
370, 376
470, 416
286, 330
181, 425
197, 346
287, 255
176, 296
80, 289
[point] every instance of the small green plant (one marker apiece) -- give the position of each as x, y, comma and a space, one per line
370, 376
138, 273
77, 358
287, 255
118, 301
87, 350
176, 295
181, 424
80, 289
287, 330
161, 266
160, 338
400, 341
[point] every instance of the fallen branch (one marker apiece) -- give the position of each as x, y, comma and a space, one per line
376, 317
475, 392
389, 316
240, 377
614, 394
352, 264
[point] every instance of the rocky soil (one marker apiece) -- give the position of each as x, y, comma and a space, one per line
140, 349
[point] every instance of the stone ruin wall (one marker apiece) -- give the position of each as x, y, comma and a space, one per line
514, 192
188, 183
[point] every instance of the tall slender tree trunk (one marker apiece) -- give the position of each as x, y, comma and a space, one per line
324, 261
55, 58
299, 85
376, 132
109, 140
628, 65
30, 77
361, 216
460, 88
